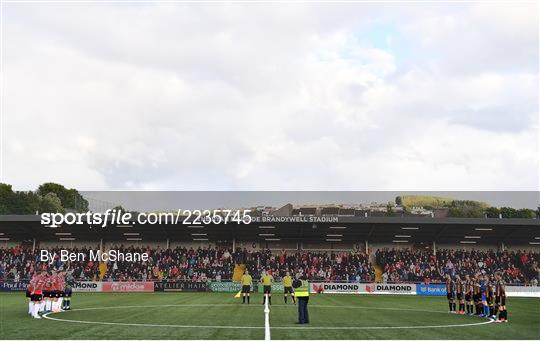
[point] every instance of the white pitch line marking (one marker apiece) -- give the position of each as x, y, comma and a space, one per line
266, 320
46, 316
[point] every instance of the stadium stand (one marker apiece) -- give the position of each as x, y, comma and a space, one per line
520, 267
214, 263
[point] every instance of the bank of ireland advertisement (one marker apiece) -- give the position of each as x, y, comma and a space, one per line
431, 289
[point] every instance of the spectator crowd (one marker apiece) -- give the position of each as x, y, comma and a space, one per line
218, 263
421, 265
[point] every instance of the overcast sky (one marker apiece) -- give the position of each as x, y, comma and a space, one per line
271, 96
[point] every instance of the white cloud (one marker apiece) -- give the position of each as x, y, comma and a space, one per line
270, 97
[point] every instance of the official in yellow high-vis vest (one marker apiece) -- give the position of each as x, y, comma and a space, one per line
301, 292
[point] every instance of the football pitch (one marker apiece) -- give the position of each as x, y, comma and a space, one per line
221, 316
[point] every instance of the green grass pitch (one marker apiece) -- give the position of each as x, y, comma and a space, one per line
221, 316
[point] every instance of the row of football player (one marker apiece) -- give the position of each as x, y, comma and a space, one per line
49, 292
478, 295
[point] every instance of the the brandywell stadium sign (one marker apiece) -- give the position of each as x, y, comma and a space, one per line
294, 219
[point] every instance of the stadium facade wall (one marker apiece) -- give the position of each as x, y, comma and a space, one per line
535, 248
5, 244
279, 245
188, 245
468, 247
68, 244
401, 246
328, 246
143, 243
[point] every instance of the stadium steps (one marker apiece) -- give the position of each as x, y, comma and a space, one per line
102, 270
378, 273
238, 272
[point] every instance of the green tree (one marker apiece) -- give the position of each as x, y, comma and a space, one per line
508, 212
526, 213
492, 212
6, 198
390, 210
50, 203
71, 199
466, 209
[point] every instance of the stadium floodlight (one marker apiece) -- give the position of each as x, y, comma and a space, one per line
67, 239
266, 234
4, 239
532, 243
199, 234
131, 234
134, 239
338, 227
63, 233
472, 237
467, 242
195, 226
483, 229
399, 241
334, 235
272, 239
402, 236
267, 227
200, 239
534, 237
333, 240
410, 228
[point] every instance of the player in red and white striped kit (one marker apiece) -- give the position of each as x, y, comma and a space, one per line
36, 295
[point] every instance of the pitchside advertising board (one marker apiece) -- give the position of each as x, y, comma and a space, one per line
407, 289
431, 289
276, 287
363, 288
127, 286
87, 287
315, 288
13, 286
167, 286
225, 286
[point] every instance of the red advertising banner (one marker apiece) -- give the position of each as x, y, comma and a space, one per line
127, 287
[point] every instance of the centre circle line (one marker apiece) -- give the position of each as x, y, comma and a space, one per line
48, 317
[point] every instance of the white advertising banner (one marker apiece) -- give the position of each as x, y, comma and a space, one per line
385, 289
520, 291
87, 287
335, 288
362, 288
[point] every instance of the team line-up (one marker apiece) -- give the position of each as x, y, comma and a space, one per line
478, 295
